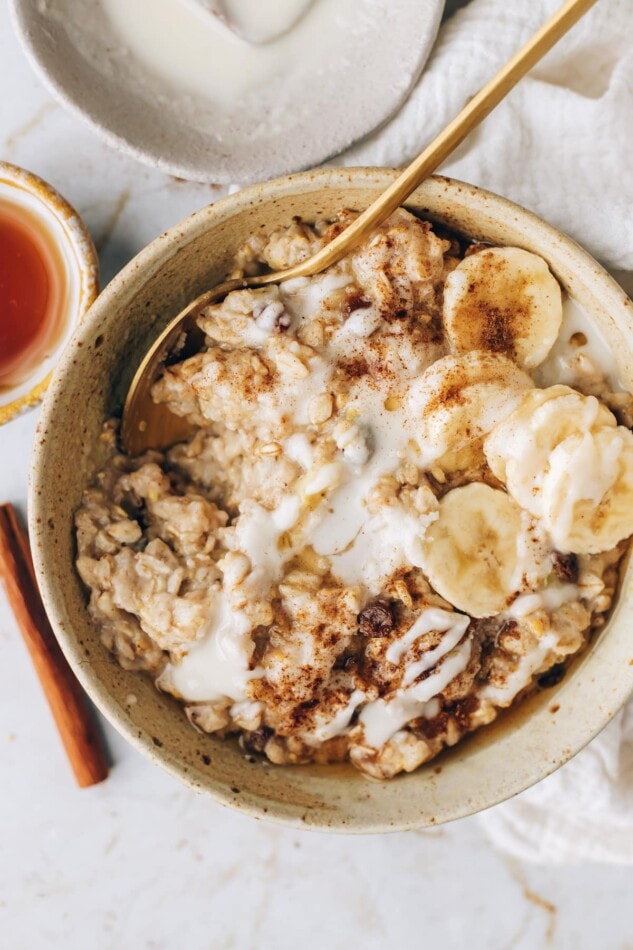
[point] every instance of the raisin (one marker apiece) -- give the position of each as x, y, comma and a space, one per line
256, 741
566, 567
345, 662
355, 301
552, 677
377, 619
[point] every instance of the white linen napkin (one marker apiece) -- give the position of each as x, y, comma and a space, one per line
583, 812
561, 145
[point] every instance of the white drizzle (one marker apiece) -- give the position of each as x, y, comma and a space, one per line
588, 471
433, 618
383, 718
328, 727
257, 533
217, 666
378, 440
550, 599
522, 676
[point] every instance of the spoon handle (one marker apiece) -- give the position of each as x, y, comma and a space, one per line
446, 142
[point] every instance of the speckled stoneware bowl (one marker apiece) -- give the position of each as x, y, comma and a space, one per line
495, 763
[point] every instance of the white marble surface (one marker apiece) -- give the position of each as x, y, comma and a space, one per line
140, 862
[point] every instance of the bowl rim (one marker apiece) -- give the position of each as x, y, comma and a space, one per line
80, 240
147, 262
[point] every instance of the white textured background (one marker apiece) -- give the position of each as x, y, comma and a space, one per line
140, 862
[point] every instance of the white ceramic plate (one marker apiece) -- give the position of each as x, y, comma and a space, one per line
348, 84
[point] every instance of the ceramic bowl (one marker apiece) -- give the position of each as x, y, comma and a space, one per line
292, 116
54, 215
524, 745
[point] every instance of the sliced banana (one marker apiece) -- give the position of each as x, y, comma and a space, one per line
482, 550
518, 448
505, 300
563, 458
587, 491
459, 399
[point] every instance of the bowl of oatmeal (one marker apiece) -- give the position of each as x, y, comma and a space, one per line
384, 582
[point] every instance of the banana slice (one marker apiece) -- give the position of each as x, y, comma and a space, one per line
587, 491
518, 448
459, 399
505, 300
563, 458
482, 550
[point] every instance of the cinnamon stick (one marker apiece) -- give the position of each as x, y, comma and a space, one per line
65, 696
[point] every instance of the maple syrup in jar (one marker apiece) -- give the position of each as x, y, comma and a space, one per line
33, 293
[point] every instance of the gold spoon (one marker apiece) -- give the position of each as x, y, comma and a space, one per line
147, 425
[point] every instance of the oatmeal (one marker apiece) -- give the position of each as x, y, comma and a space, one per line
402, 510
